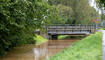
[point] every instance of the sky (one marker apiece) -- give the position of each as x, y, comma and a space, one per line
93, 4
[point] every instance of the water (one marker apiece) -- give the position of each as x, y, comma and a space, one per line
41, 52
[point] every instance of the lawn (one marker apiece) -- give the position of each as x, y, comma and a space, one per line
89, 48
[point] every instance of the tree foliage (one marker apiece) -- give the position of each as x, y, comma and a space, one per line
101, 3
82, 12
64, 12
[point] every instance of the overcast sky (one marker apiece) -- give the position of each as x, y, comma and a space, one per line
93, 4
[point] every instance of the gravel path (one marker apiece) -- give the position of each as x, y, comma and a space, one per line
103, 43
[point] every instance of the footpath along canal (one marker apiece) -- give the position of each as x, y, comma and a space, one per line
41, 52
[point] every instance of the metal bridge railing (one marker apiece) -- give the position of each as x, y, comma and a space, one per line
69, 29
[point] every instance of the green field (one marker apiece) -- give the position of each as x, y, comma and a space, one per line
88, 48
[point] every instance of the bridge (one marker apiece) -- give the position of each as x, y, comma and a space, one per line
54, 30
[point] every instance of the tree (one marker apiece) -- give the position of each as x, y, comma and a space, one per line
64, 12
18, 21
83, 13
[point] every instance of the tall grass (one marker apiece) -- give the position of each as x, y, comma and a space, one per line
90, 48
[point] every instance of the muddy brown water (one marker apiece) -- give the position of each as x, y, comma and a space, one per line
41, 52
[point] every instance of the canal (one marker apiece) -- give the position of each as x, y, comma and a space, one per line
41, 52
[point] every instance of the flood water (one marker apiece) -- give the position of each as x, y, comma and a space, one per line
41, 52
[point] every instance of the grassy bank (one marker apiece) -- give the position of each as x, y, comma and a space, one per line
87, 49
39, 39
101, 29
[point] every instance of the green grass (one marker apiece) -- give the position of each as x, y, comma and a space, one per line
39, 39
64, 37
60, 37
87, 49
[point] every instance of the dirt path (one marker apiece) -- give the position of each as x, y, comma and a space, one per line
32, 52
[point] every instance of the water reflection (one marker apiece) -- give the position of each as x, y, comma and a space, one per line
40, 54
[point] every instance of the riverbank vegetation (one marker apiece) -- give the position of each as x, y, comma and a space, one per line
89, 48
39, 39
